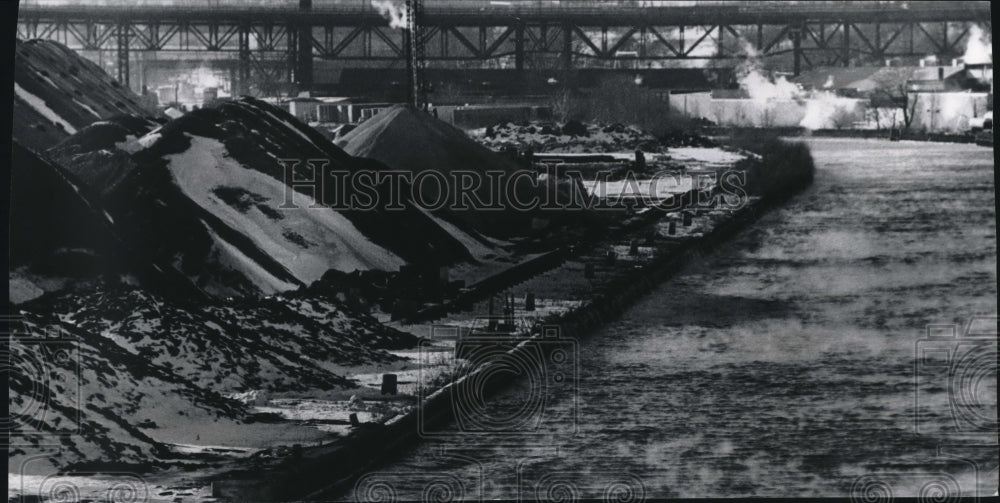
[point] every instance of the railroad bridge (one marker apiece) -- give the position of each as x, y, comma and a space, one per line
279, 40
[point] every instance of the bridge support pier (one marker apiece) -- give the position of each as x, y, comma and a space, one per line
519, 47
121, 39
567, 46
797, 50
303, 57
241, 85
847, 45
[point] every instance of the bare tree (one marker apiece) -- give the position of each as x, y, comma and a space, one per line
891, 92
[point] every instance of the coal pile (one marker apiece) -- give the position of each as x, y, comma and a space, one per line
59, 227
60, 233
158, 246
406, 139
276, 344
49, 213
57, 92
167, 369
89, 376
103, 149
203, 195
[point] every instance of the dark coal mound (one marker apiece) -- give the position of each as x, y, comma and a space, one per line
407, 139
276, 344
94, 393
203, 195
58, 228
49, 213
58, 92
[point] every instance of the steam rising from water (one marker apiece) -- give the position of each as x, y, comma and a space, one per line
395, 14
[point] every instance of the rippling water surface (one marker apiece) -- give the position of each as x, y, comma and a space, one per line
780, 365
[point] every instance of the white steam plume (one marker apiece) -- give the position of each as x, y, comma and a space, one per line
759, 87
392, 12
823, 109
979, 48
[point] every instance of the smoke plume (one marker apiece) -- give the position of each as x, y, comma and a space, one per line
395, 14
759, 87
821, 109
979, 48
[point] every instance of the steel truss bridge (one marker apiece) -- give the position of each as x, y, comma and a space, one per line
278, 40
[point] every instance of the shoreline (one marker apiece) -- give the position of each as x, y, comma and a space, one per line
868, 134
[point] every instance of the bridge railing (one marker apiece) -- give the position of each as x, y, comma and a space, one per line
463, 6
549, 9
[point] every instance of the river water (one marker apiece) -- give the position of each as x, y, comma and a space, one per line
783, 364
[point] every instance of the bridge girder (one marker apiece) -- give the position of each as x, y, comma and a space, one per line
532, 42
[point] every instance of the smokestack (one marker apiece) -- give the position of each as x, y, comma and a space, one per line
954, 62
940, 73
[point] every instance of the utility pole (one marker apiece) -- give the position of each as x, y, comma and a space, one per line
303, 51
413, 43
